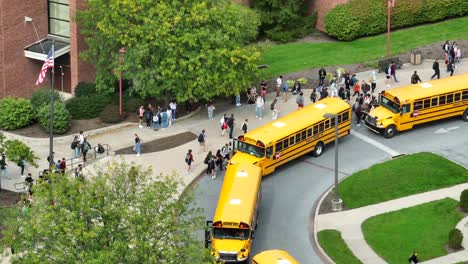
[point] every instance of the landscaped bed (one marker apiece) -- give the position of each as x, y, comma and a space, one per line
335, 247
423, 228
400, 177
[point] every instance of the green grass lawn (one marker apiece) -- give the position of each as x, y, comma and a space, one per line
335, 247
400, 177
423, 228
294, 57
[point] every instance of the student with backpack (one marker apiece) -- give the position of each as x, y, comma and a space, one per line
189, 160
156, 121
86, 146
202, 140
245, 125
313, 95
224, 124
75, 147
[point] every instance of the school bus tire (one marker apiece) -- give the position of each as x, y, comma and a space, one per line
390, 131
318, 149
465, 115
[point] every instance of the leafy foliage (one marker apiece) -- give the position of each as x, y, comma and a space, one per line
179, 49
122, 215
111, 114
85, 89
62, 118
87, 107
17, 151
359, 18
284, 20
455, 238
464, 200
41, 97
15, 113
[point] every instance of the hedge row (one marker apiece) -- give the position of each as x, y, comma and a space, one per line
87, 107
15, 113
359, 18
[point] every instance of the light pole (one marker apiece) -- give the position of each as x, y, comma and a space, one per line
337, 203
121, 56
390, 4
61, 77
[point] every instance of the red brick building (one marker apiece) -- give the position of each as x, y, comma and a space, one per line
27, 29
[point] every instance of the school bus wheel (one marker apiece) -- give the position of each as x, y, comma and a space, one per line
465, 115
318, 149
389, 131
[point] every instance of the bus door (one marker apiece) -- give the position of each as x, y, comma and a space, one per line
269, 161
406, 117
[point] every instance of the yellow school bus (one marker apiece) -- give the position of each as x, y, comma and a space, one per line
402, 108
303, 131
274, 257
232, 230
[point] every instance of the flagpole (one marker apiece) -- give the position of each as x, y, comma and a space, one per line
52, 97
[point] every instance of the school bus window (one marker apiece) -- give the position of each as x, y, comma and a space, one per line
279, 146
286, 143
321, 127
309, 132
345, 116
417, 105
465, 95
405, 109
340, 119
291, 141
457, 97
298, 137
231, 233
315, 129
442, 100
332, 122
434, 101
303, 135
427, 103
449, 98
251, 149
327, 124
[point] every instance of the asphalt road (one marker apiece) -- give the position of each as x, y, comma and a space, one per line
289, 193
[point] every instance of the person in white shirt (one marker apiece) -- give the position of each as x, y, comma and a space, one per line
173, 107
258, 107
169, 117
333, 89
275, 111
279, 82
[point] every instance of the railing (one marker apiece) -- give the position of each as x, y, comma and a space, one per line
72, 163
23, 187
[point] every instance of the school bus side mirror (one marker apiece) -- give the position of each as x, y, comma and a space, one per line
209, 225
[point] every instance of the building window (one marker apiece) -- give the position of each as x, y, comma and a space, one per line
59, 18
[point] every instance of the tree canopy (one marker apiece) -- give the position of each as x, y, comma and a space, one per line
122, 215
17, 151
193, 49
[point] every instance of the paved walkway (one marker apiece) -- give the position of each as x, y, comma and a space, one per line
172, 160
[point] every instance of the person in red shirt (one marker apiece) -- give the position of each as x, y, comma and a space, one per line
63, 165
356, 89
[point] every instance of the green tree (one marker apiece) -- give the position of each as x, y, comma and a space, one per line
17, 151
183, 49
284, 20
123, 215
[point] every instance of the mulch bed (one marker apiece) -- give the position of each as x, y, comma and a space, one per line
9, 198
161, 144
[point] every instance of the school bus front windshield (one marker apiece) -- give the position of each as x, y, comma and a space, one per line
251, 149
231, 233
389, 104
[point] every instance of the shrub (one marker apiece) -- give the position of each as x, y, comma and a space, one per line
86, 107
302, 81
42, 97
132, 104
359, 18
85, 89
62, 118
284, 20
111, 114
464, 200
455, 238
15, 113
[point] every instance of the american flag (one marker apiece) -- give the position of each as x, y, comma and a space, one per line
48, 63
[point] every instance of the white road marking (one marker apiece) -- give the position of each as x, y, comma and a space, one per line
453, 128
375, 143
441, 131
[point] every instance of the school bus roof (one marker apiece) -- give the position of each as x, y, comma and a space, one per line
297, 120
431, 88
238, 194
274, 257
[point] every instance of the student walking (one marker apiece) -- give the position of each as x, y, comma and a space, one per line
245, 125
275, 109
450, 68
137, 146
322, 73
202, 140
279, 84
148, 116
173, 107
210, 110
224, 124
435, 67
75, 147
141, 112
313, 95
413, 259
231, 123
393, 71
189, 160
300, 100
3, 167
373, 81
358, 111
156, 121
86, 147
284, 91
259, 107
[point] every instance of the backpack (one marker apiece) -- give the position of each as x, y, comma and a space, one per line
201, 138
73, 145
